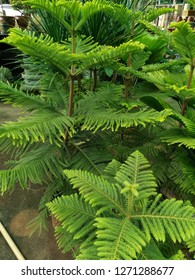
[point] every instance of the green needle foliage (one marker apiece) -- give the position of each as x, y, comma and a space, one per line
116, 217
170, 85
53, 116
87, 102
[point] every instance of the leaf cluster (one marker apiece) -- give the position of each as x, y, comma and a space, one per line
119, 213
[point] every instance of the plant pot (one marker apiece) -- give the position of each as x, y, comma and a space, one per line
7, 22
22, 21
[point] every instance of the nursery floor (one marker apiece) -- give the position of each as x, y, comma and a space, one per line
17, 209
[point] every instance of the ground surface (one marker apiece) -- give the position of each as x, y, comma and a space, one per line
17, 209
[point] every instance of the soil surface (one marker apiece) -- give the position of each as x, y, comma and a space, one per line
18, 208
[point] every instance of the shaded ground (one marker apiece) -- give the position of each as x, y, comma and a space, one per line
17, 209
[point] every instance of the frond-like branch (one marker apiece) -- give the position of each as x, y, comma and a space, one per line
171, 216
88, 249
75, 215
90, 8
37, 166
136, 173
51, 7
89, 157
96, 190
42, 48
117, 231
180, 137
182, 171
184, 40
56, 187
118, 239
65, 240
113, 120
191, 245
12, 95
5, 74
105, 110
42, 126
111, 169
107, 53
153, 14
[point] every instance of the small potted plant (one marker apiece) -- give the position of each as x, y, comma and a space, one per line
6, 21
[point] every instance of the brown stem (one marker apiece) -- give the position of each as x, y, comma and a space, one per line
126, 84
94, 79
113, 80
184, 107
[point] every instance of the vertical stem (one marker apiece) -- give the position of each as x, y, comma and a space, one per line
114, 78
94, 79
126, 84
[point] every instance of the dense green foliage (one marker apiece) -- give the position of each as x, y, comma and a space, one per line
117, 214
108, 127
